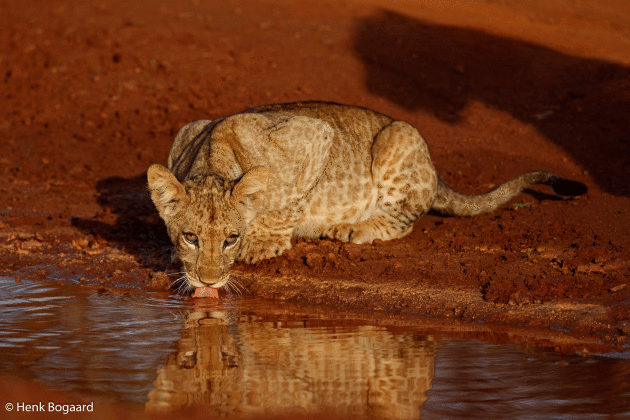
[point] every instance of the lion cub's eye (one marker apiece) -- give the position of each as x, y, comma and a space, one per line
230, 240
191, 238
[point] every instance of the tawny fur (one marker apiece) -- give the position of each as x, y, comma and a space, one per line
238, 188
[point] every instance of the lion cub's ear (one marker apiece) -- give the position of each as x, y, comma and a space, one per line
166, 190
248, 193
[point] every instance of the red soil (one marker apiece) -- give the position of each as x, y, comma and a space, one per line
94, 92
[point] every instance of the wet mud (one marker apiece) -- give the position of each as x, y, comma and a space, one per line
93, 93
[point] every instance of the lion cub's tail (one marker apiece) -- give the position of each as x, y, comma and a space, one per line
450, 202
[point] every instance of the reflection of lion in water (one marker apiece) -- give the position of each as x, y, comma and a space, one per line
271, 368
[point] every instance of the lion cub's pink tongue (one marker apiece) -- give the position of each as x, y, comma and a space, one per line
201, 292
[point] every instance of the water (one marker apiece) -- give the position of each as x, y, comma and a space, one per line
245, 355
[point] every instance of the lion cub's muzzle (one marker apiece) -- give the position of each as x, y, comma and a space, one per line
208, 276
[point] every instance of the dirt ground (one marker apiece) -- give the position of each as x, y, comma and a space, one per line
94, 92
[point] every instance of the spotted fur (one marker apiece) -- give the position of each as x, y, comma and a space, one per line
245, 184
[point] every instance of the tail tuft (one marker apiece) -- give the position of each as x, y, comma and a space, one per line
567, 187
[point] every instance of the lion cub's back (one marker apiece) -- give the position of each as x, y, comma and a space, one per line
360, 123
354, 131
345, 192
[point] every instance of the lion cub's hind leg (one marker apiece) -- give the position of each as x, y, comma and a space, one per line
406, 182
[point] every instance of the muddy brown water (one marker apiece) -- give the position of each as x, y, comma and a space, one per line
247, 355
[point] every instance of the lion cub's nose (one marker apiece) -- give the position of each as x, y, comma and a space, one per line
210, 275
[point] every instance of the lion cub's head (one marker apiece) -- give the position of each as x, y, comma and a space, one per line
207, 218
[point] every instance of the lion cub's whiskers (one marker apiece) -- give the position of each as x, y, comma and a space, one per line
241, 275
183, 286
176, 274
233, 285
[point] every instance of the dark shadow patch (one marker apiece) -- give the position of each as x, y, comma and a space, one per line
542, 196
583, 105
138, 228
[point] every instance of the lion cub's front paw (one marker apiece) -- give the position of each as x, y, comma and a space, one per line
340, 232
350, 232
262, 249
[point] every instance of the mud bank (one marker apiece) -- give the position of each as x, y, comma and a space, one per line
94, 93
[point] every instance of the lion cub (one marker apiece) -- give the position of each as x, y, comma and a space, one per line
239, 187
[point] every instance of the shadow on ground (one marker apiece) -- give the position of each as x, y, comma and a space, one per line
138, 228
583, 105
